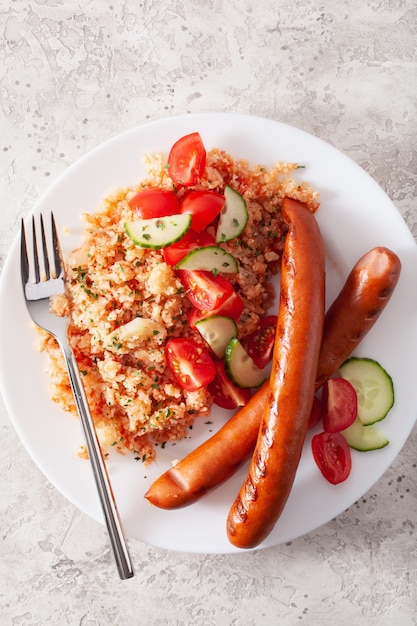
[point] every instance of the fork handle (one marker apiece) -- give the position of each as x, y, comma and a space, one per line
111, 515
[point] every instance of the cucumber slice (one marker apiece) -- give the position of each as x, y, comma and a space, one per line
364, 438
373, 385
240, 367
233, 217
209, 258
218, 331
158, 232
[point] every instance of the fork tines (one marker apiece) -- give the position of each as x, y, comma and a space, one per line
41, 262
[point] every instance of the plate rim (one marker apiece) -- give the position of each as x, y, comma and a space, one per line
91, 154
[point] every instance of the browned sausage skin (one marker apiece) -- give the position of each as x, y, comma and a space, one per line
284, 424
364, 295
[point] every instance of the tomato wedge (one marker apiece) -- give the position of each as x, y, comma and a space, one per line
224, 392
191, 240
187, 160
340, 405
332, 455
190, 364
205, 291
155, 202
260, 343
316, 412
231, 307
204, 207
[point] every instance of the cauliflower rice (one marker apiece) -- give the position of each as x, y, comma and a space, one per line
135, 403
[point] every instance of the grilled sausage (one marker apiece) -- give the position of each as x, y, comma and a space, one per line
367, 290
361, 300
284, 424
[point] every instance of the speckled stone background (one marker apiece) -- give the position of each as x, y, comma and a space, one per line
73, 74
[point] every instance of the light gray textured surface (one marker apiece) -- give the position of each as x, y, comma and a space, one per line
73, 74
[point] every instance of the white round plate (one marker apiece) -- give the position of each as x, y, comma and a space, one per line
355, 215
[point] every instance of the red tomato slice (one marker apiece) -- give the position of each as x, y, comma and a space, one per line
224, 392
187, 160
205, 291
204, 206
196, 315
340, 405
316, 412
190, 364
232, 307
260, 343
332, 455
155, 202
177, 251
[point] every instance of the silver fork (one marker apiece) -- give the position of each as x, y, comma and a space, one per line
43, 277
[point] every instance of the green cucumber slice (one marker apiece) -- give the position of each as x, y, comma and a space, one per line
158, 232
240, 367
233, 216
210, 258
373, 385
364, 438
218, 331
